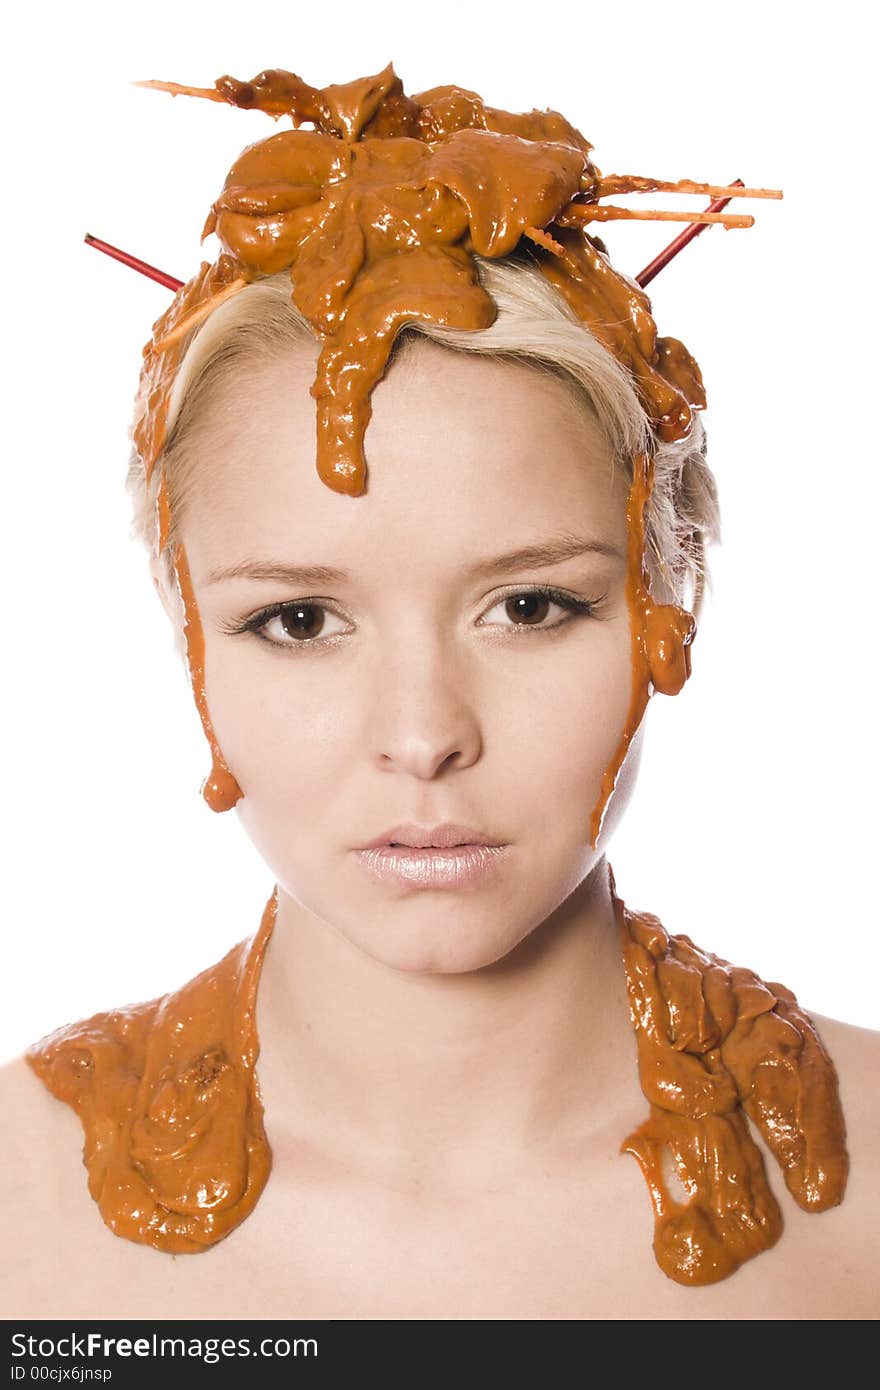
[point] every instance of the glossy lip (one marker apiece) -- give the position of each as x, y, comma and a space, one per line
457, 866
444, 836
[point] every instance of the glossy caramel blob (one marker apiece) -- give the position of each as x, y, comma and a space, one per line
715, 1043
377, 213
175, 1148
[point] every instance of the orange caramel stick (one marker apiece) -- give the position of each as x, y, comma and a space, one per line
678, 243
181, 329
544, 239
578, 213
177, 90
634, 183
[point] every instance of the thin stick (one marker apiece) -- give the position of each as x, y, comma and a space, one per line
181, 329
126, 258
596, 212
543, 238
176, 90
617, 184
678, 243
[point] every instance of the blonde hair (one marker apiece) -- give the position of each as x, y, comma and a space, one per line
534, 325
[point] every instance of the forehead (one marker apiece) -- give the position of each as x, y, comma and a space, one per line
466, 455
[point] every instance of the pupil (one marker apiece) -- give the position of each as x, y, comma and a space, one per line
292, 619
524, 606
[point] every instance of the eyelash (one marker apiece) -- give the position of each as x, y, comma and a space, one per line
575, 607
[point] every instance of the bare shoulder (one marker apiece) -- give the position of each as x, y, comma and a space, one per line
45, 1208
841, 1243
855, 1053
41, 1134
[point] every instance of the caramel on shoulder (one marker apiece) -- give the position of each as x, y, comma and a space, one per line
175, 1148
177, 1155
717, 1044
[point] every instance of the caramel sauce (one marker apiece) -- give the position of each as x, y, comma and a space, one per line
377, 213
715, 1043
175, 1148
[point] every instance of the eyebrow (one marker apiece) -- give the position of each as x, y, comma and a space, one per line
545, 553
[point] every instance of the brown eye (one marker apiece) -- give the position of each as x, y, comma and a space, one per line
526, 609
298, 623
301, 619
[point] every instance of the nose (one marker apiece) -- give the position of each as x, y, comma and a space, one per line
423, 715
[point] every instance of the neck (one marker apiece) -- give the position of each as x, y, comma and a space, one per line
392, 1068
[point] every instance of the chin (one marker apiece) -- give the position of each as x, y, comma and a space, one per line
439, 949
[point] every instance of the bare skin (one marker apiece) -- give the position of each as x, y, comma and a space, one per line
447, 1076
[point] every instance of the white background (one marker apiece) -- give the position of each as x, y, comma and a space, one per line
754, 826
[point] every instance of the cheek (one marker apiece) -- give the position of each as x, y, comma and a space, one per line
549, 720
623, 789
563, 730
283, 729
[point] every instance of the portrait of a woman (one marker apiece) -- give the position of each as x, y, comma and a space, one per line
426, 496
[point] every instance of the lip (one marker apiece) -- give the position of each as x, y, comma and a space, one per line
445, 836
455, 866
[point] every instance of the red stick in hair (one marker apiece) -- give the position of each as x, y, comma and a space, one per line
168, 281
665, 256
643, 279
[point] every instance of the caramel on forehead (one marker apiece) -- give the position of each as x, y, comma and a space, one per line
377, 213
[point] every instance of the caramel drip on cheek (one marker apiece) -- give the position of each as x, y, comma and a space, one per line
220, 789
717, 1044
175, 1147
661, 637
635, 531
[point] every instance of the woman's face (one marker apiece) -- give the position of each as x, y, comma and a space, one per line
420, 687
